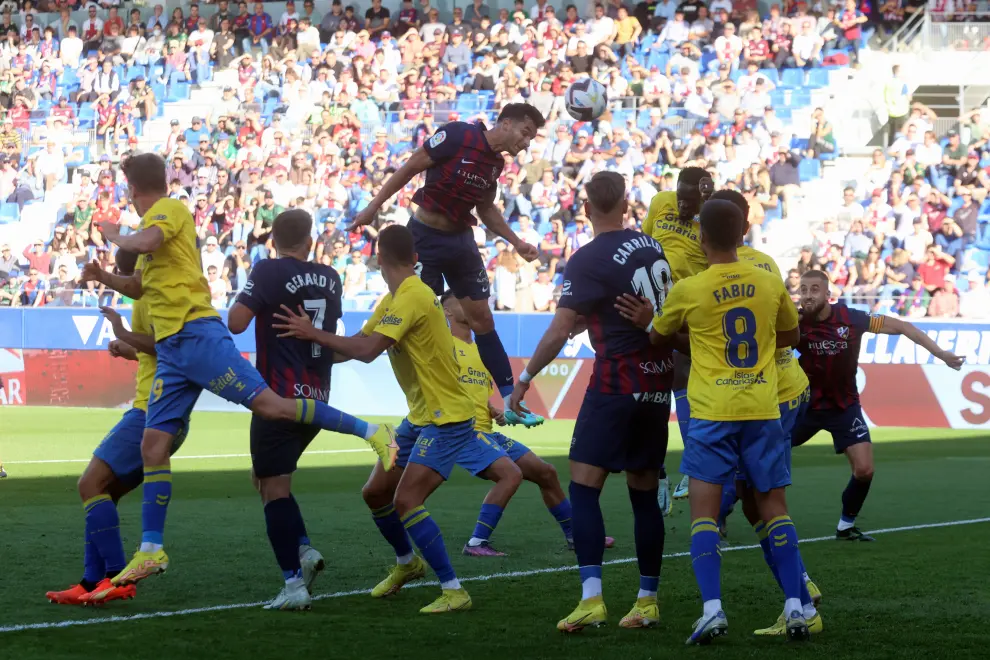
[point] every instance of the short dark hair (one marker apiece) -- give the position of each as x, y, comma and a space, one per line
820, 274
735, 197
146, 173
692, 175
126, 262
606, 190
395, 246
291, 229
522, 112
722, 223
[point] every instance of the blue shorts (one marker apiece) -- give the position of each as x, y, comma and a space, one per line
513, 448
791, 413
847, 427
477, 456
200, 356
622, 431
452, 257
121, 448
405, 436
440, 447
757, 447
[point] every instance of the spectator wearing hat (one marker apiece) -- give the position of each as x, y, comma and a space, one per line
945, 300
212, 255
290, 14
967, 216
974, 302
972, 177
34, 290
39, 259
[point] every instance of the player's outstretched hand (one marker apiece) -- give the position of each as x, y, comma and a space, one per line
954, 361
528, 251
112, 315
92, 272
295, 325
516, 398
637, 309
364, 217
114, 348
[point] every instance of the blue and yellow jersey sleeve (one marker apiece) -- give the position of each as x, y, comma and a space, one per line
147, 364
681, 241
476, 381
172, 276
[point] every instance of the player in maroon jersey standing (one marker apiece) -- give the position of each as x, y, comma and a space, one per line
829, 348
463, 163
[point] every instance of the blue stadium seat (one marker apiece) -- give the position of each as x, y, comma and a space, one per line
79, 156
817, 78
772, 75
799, 143
134, 71
809, 169
87, 116
792, 78
957, 202
9, 211
178, 92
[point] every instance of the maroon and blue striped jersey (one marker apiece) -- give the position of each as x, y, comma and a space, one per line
291, 367
830, 355
617, 262
465, 171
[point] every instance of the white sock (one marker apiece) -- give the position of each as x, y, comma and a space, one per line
843, 525
505, 403
150, 547
712, 607
451, 584
370, 431
293, 582
792, 605
474, 541
591, 588
809, 611
806, 578
405, 559
643, 593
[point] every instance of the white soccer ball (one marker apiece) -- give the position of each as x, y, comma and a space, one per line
586, 99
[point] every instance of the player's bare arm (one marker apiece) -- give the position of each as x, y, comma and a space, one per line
142, 343
418, 163
129, 285
788, 338
895, 326
239, 318
549, 347
142, 242
492, 218
356, 347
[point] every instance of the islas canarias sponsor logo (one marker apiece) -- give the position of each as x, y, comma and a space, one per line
741, 379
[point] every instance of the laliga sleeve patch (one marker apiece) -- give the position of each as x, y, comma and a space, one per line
438, 139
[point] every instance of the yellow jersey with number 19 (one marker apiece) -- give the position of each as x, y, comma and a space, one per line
791, 379
476, 381
733, 312
141, 324
423, 354
681, 241
172, 279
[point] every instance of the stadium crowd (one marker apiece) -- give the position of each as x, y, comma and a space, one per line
318, 107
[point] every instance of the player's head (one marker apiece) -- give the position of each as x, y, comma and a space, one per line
689, 191
814, 292
146, 181
736, 198
292, 232
126, 262
396, 250
721, 223
452, 308
606, 199
518, 122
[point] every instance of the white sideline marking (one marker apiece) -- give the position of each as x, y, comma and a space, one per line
479, 578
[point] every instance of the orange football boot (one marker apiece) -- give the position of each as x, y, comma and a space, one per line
71, 596
105, 591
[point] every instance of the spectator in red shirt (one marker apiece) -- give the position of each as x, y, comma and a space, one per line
111, 20
935, 268
39, 258
106, 212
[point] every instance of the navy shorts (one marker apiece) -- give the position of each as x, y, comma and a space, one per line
121, 448
277, 446
847, 427
513, 448
200, 356
620, 432
756, 448
452, 257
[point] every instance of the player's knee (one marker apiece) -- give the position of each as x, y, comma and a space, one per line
274, 408
376, 494
546, 475
89, 486
863, 472
508, 474
405, 501
480, 319
155, 447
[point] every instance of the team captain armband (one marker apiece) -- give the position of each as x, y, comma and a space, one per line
876, 323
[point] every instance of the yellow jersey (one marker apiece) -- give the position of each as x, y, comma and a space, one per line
423, 354
147, 364
172, 276
733, 312
791, 379
681, 241
476, 381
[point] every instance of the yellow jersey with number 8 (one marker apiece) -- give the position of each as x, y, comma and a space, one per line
681, 241
422, 356
476, 381
147, 364
733, 312
791, 379
172, 279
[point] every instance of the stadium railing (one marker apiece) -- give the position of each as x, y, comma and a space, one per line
965, 32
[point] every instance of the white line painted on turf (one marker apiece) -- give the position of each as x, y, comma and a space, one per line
566, 388
49, 625
189, 458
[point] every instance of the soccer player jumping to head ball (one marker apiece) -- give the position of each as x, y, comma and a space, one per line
831, 334
463, 163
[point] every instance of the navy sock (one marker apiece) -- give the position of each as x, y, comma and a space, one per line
154, 508
706, 558
728, 501
488, 519
853, 497
93, 570
683, 409
649, 532
787, 557
328, 418
426, 533
588, 525
388, 523
103, 530
301, 531
562, 514
496, 361
282, 518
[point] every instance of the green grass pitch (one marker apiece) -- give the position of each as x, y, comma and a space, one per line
920, 592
